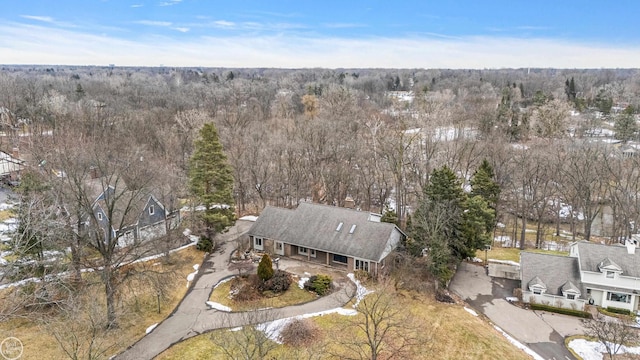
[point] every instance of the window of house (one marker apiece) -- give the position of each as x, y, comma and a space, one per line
537, 292
100, 216
619, 297
362, 265
151, 210
257, 243
571, 296
305, 251
610, 274
279, 246
339, 258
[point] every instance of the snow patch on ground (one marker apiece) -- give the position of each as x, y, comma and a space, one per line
519, 345
150, 328
223, 281
594, 350
302, 281
470, 311
218, 306
273, 328
361, 291
508, 262
192, 276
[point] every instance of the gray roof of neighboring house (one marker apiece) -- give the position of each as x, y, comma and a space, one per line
554, 271
592, 255
315, 226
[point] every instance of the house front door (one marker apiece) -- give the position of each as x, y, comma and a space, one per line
279, 248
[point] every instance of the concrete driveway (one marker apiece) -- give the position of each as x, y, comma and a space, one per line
541, 331
193, 317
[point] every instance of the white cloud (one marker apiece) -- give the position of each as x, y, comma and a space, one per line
224, 24
170, 3
343, 25
33, 44
137, 5
181, 29
48, 20
153, 23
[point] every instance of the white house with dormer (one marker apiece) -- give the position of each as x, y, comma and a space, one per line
595, 274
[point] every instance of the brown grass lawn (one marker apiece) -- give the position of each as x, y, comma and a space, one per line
512, 254
138, 306
293, 296
446, 331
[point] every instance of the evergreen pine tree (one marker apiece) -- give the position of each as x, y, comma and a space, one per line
483, 184
211, 181
625, 125
265, 268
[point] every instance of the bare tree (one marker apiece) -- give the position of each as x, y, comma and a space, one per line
81, 331
612, 333
253, 341
382, 329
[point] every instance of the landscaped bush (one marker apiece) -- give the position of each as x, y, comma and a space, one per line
320, 284
204, 244
578, 313
616, 310
299, 332
279, 283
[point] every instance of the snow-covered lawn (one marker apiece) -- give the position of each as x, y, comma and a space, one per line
594, 350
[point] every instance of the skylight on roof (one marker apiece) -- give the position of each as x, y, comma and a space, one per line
353, 228
339, 227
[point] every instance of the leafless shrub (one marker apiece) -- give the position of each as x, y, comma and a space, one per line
299, 332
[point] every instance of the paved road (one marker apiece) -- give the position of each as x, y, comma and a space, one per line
193, 316
541, 331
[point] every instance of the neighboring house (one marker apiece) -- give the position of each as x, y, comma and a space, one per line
595, 274
144, 218
10, 165
340, 237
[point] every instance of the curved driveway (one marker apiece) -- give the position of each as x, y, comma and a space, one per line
541, 331
193, 317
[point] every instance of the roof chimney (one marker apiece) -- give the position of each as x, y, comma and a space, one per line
631, 247
349, 203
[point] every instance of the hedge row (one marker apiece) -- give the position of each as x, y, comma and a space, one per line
572, 312
616, 310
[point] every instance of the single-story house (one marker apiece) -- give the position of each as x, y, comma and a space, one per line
340, 237
595, 274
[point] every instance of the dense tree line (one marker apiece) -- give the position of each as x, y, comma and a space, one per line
391, 140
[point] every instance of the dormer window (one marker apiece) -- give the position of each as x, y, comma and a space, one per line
152, 210
536, 286
100, 216
609, 268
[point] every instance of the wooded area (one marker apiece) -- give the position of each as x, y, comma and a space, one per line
559, 144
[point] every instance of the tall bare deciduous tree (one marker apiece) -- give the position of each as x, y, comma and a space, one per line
612, 333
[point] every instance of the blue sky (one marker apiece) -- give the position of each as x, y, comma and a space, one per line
330, 34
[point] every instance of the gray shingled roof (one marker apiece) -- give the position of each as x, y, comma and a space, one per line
553, 270
314, 226
536, 281
592, 255
570, 286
